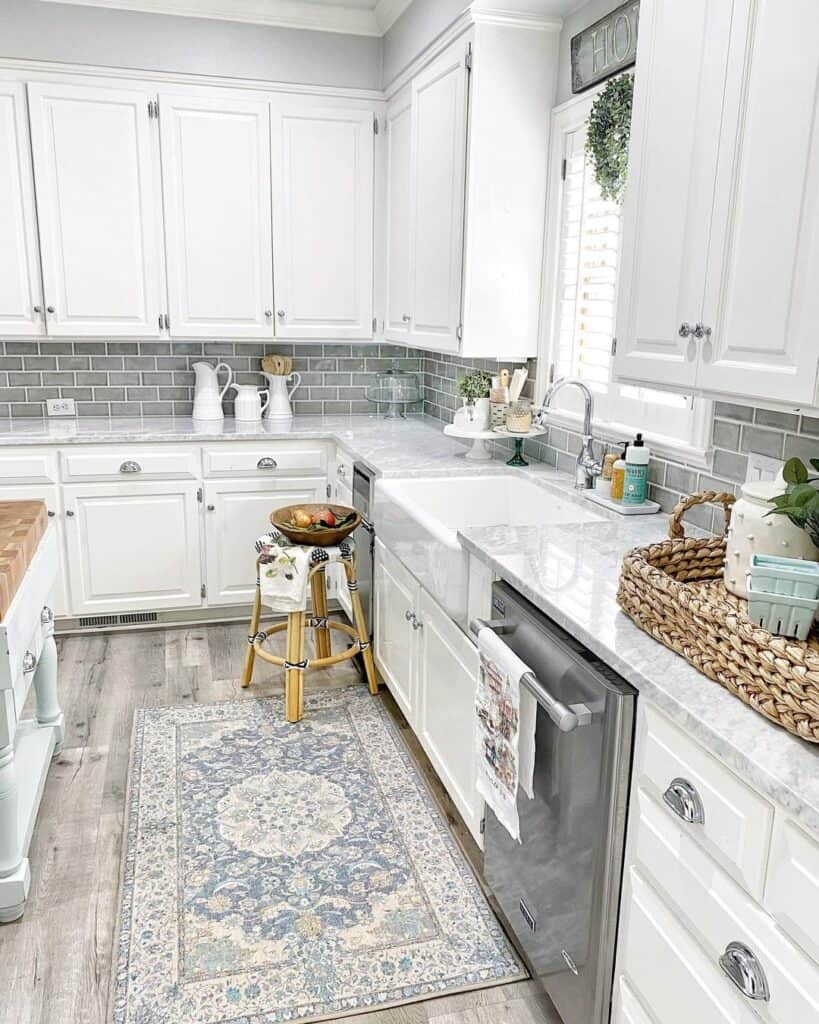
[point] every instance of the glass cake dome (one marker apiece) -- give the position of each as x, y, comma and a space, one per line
393, 390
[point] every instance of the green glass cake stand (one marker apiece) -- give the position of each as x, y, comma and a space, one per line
518, 459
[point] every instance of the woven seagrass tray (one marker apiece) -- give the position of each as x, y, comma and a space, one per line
674, 591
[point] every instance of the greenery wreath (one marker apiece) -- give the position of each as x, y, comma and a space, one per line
607, 136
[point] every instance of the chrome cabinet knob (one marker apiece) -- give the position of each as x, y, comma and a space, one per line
129, 466
211, 508
406, 318
408, 615
416, 624
46, 616
29, 662
685, 330
740, 964
700, 330
69, 513
38, 309
51, 513
280, 314
50, 309
266, 463
685, 802
268, 313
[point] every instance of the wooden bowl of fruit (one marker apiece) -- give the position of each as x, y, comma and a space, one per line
320, 525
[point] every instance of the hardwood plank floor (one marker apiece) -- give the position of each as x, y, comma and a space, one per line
55, 963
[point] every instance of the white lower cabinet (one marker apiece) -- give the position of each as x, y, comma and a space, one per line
58, 599
448, 672
133, 546
431, 669
688, 896
237, 513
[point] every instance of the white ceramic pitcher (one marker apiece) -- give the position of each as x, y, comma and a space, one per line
207, 398
278, 407
249, 406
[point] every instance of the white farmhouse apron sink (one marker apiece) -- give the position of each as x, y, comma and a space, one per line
418, 520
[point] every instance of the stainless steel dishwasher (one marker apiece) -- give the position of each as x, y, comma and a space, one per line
559, 888
364, 536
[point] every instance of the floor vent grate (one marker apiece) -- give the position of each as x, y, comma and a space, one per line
132, 617
99, 620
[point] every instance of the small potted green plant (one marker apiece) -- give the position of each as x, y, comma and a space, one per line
473, 388
800, 500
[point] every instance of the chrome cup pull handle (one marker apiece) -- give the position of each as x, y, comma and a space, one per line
740, 964
685, 802
700, 330
685, 330
29, 662
129, 466
266, 463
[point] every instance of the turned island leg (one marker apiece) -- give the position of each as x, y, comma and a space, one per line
14, 870
49, 712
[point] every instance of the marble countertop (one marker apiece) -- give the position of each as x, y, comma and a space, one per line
569, 572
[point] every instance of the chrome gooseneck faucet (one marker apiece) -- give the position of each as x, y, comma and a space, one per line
588, 467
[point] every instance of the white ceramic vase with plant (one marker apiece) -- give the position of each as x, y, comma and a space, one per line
474, 388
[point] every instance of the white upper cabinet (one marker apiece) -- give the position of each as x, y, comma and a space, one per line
98, 205
667, 209
398, 141
216, 186
21, 301
322, 168
721, 220
762, 291
439, 109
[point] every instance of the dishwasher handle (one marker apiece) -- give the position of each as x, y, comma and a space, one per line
565, 717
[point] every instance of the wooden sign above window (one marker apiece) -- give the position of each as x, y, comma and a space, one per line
606, 47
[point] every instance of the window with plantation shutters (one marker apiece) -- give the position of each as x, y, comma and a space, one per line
583, 254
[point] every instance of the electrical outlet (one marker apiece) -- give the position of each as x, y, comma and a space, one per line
60, 407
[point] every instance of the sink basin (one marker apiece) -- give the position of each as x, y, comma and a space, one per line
419, 519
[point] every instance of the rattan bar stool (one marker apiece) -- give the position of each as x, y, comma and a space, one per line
294, 662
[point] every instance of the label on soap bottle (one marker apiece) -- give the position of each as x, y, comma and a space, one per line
635, 484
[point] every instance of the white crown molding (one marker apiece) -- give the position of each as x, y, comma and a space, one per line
13, 67
315, 17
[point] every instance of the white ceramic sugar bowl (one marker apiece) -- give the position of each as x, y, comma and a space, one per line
753, 532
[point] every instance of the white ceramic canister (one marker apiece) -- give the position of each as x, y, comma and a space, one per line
753, 532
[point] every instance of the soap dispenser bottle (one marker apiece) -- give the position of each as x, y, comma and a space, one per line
618, 472
635, 481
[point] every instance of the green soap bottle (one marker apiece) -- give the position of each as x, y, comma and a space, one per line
635, 482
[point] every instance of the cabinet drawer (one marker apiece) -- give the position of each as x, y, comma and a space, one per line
737, 826
264, 459
157, 463
626, 1008
792, 887
28, 467
344, 467
675, 980
716, 911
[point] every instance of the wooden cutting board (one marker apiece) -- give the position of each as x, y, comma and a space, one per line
22, 524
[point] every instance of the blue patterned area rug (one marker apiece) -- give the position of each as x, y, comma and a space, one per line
277, 872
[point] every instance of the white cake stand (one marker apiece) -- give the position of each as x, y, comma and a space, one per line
479, 452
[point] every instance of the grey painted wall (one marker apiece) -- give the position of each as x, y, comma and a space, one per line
420, 23
572, 24
37, 30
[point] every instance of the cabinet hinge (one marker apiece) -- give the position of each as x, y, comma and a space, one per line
614, 346
203, 591
153, 110
468, 58
563, 169
200, 497
329, 490
459, 332
167, 321
161, 320
375, 125
375, 325
551, 373
482, 826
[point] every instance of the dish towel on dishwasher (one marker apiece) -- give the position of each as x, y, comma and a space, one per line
284, 569
504, 730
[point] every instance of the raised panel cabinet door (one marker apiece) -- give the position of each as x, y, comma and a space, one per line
396, 598
762, 289
439, 113
216, 185
20, 286
399, 153
237, 513
99, 208
133, 547
447, 682
322, 166
678, 97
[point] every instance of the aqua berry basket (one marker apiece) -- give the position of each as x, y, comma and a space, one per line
794, 577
